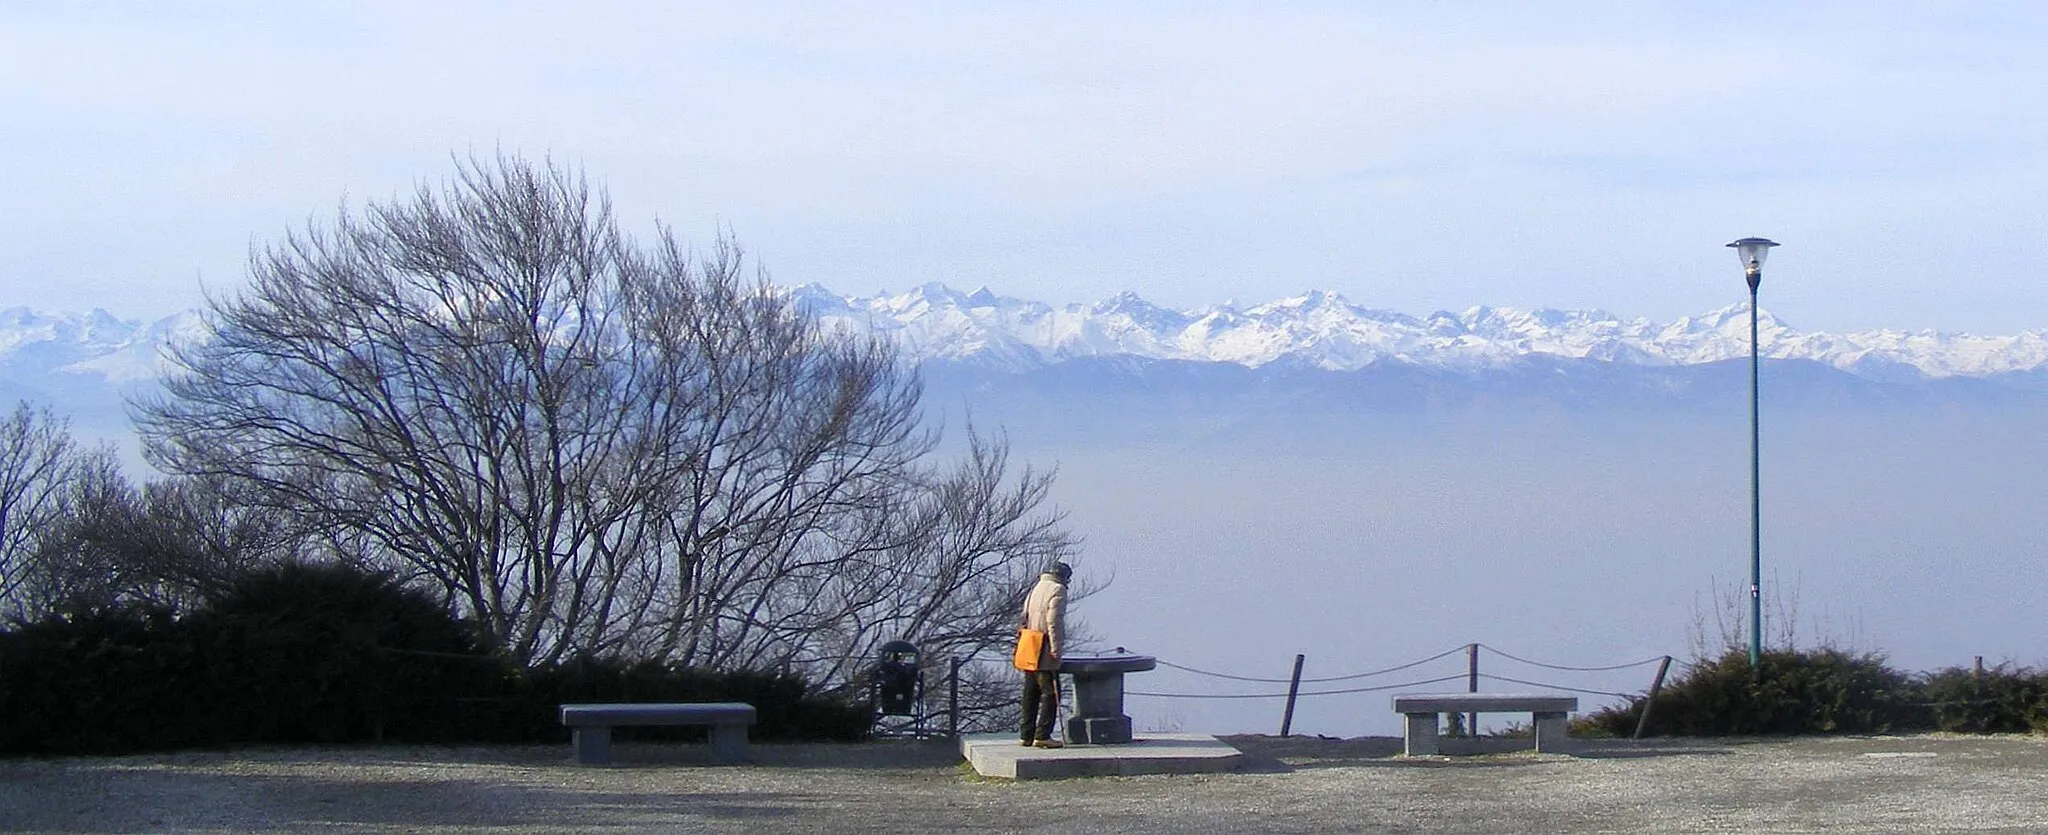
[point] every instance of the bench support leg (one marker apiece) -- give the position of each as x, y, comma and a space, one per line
593, 745
729, 743
1420, 738
1551, 733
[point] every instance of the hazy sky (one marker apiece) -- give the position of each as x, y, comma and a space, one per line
1412, 156
1581, 540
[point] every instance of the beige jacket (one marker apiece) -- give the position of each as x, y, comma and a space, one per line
1045, 610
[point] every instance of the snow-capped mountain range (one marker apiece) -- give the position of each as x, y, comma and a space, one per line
95, 344
1326, 331
1317, 329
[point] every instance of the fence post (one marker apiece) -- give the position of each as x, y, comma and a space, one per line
1656, 684
1472, 686
1293, 688
953, 698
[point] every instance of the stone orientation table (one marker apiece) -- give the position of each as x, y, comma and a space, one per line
1099, 696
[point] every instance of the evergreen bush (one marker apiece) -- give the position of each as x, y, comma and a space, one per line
1965, 701
331, 654
785, 708
105, 682
1793, 692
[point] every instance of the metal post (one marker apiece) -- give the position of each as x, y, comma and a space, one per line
1472, 686
1752, 251
1756, 541
1656, 684
1293, 689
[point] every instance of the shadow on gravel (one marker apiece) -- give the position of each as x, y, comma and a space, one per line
1625, 749
885, 754
157, 800
1273, 754
881, 755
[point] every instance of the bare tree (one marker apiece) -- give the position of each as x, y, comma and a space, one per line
76, 535
77, 564
174, 543
194, 537
39, 463
595, 447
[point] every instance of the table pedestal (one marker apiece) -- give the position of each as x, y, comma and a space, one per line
1099, 697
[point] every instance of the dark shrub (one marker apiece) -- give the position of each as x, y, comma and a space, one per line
785, 707
101, 683
330, 653
327, 653
1961, 700
1803, 691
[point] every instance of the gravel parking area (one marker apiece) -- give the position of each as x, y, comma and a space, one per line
1932, 783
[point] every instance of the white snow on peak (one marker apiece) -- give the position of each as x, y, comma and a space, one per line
1317, 328
1323, 329
95, 342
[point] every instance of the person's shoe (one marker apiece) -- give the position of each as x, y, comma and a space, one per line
1027, 743
1051, 743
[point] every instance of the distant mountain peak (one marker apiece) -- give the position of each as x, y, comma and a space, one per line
1309, 300
1324, 329
1317, 328
981, 297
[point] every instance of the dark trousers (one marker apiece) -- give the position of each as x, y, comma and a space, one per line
1041, 704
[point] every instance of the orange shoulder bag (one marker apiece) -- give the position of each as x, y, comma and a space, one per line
1030, 648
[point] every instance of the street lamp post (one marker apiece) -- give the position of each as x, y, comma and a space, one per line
1752, 252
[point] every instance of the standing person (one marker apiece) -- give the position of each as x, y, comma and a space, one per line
1045, 610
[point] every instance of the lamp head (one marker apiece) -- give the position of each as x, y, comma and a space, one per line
1752, 251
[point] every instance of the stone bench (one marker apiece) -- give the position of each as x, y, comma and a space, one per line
591, 725
1422, 710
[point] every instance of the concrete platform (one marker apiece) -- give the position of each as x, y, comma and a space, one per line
999, 755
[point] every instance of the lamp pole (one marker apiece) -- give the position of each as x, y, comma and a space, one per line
1752, 252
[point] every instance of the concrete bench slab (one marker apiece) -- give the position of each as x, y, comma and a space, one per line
1547, 711
999, 755
591, 725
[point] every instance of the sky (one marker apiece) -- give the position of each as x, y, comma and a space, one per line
1413, 156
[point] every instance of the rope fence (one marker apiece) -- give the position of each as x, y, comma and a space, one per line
1324, 680
1284, 695
1643, 663
1472, 676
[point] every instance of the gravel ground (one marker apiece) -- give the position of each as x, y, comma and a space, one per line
1933, 783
